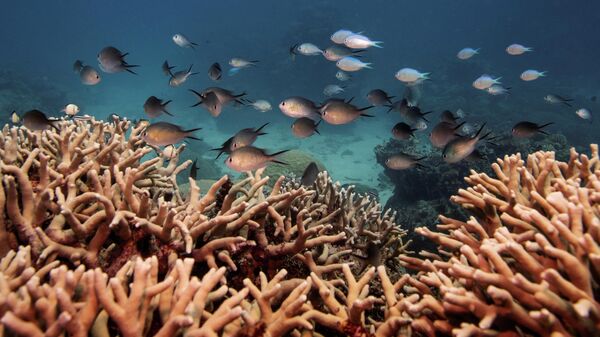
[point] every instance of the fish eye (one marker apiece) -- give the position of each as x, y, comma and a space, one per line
283, 103
230, 160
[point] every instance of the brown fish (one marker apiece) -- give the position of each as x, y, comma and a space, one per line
528, 129
163, 134
210, 102
400, 106
214, 71
378, 97
36, 120
305, 127
402, 131
246, 137
340, 112
155, 106
112, 60
310, 174
448, 117
403, 161
251, 158
181, 77
443, 133
225, 96
461, 147
166, 68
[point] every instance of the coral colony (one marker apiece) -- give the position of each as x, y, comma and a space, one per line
98, 239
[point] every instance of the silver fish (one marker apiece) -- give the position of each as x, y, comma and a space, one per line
250, 158
180, 77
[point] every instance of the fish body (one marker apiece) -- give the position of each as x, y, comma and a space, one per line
261, 105
297, 107
527, 129
183, 41
112, 60
304, 127
402, 131
36, 120
358, 41
71, 109
215, 72
241, 63
461, 147
485, 81
166, 68
224, 96
497, 90
517, 49
180, 77
163, 134
308, 49
584, 113
402, 161
246, 137
340, 112
443, 133
210, 101
89, 76
467, 53
340, 36
251, 158
350, 63
448, 117
378, 97
412, 94
342, 76
332, 89
337, 52
556, 99
310, 174
410, 75
154, 107
194, 169
532, 75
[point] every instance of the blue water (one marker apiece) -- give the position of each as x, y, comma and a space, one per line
40, 40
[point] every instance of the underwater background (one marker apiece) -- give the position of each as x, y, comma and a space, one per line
41, 40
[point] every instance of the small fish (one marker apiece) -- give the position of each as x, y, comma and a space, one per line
225, 96
342, 76
14, 118
400, 106
166, 68
467, 53
180, 77
340, 112
89, 76
584, 114
210, 101
251, 158
70, 110
297, 107
304, 127
443, 133
154, 107
261, 105
358, 41
77, 66
310, 174
337, 52
485, 81
403, 161
403, 131
414, 115
527, 129
378, 97
448, 117
410, 75
237, 62
246, 137
215, 72
333, 89
555, 99
497, 90
308, 49
532, 75
340, 36
183, 41
112, 60
412, 94
194, 169
36, 120
461, 147
517, 49
350, 63
163, 134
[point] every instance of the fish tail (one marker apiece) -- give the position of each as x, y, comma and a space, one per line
544, 125
193, 137
390, 108
195, 92
479, 131
192, 130
366, 108
368, 66
253, 62
165, 103
543, 73
497, 80
459, 125
167, 112
129, 70
190, 68
425, 76
273, 155
260, 128
279, 162
240, 95
567, 104
477, 50
377, 44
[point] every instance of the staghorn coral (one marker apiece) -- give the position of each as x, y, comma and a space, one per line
526, 262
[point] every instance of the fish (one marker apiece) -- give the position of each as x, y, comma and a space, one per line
410, 75
337, 52
532, 75
378, 97
166, 68
342, 76
412, 94
310, 174
261, 105
225, 96
183, 41
154, 107
225, 147
497, 90
340, 112
14, 118
443, 133
461, 147
180, 77
194, 169
400, 106
402, 161
333, 89
485, 81
413, 115
246, 137
403, 131
210, 101
36, 120
112, 60
467, 53
70, 110
584, 114
555, 99
358, 41
237, 62
89, 76
163, 134
215, 72
340, 36
251, 158
77, 66
304, 127
350, 63
517, 49
297, 107
448, 117
527, 129
308, 49
83, 118
142, 122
